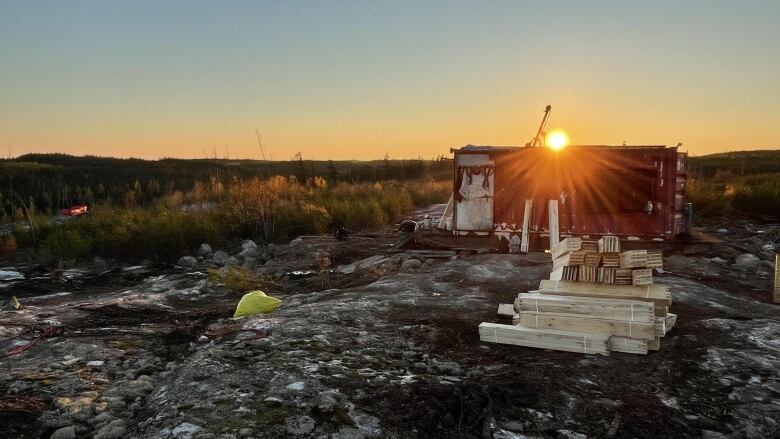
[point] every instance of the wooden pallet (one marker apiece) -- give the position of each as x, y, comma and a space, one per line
544, 338
612, 309
609, 244
658, 294
633, 259
642, 276
587, 324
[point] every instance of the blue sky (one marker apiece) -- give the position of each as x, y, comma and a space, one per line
356, 79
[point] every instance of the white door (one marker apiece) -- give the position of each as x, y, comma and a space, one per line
474, 208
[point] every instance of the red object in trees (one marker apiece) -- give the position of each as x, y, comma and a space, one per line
77, 210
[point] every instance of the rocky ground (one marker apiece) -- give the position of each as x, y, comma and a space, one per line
388, 351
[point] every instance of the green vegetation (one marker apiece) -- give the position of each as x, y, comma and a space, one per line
155, 209
242, 279
47, 183
740, 184
725, 195
272, 209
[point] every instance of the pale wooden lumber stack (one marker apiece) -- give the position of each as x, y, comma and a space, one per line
605, 302
631, 267
545, 339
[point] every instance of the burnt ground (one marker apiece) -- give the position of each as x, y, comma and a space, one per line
148, 353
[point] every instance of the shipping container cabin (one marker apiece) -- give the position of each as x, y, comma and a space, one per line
635, 192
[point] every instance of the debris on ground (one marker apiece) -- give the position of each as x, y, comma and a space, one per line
256, 302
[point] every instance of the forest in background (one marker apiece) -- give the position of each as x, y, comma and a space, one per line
163, 209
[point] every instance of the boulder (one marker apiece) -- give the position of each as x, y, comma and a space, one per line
116, 429
204, 251
232, 262
64, 433
249, 252
296, 242
220, 257
747, 260
248, 244
411, 264
187, 262
719, 261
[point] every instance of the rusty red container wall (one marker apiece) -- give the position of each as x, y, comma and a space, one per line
600, 190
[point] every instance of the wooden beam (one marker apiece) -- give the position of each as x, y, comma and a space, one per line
776, 295
588, 324
545, 339
567, 245
658, 294
612, 309
553, 211
526, 225
629, 345
506, 309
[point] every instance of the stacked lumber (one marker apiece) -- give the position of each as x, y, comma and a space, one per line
609, 244
631, 267
607, 302
545, 339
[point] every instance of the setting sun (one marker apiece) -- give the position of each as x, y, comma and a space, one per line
557, 140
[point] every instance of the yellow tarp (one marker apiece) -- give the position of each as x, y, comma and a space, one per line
256, 302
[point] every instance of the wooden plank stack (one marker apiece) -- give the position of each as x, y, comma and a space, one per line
631, 267
591, 307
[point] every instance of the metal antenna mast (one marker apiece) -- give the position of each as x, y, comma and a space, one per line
260, 143
540, 134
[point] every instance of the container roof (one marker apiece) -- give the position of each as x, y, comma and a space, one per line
488, 148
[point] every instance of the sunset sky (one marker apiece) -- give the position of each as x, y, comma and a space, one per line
361, 79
